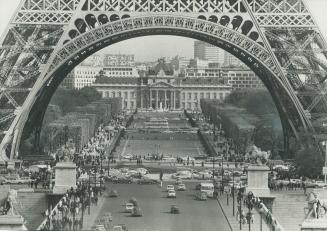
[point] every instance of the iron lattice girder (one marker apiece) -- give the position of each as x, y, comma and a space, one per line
304, 49
21, 55
72, 47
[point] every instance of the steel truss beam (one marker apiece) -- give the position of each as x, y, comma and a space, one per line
44, 36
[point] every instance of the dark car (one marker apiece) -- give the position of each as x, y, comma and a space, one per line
137, 212
122, 180
174, 209
145, 180
113, 193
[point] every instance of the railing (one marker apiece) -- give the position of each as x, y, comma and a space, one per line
270, 220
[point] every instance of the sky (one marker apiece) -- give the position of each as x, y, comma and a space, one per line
149, 48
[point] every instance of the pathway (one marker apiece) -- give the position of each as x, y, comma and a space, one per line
124, 149
234, 224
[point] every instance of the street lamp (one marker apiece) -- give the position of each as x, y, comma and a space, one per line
239, 201
89, 201
233, 191
250, 204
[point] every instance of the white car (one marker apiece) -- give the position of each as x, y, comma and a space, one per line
143, 171
182, 175
128, 157
129, 207
171, 194
181, 187
170, 187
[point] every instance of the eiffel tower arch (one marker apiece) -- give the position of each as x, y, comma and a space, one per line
45, 39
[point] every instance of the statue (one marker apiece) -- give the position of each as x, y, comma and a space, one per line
255, 156
317, 208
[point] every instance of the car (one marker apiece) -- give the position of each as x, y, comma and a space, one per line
143, 171
185, 175
178, 181
202, 196
146, 180
171, 194
129, 207
113, 193
100, 228
170, 187
181, 187
123, 180
121, 227
174, 209
137, 212
128, 157
202, 176
11, 180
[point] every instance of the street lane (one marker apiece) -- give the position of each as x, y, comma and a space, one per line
194, 214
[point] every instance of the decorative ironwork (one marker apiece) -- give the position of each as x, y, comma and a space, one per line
279, 35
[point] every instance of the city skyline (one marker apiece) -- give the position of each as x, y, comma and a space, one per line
149, 48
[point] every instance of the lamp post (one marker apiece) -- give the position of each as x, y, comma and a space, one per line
101, 170
89, 189
233, 190
239, 201
249, 203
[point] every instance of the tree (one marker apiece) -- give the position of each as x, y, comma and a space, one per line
309, 161
76, 98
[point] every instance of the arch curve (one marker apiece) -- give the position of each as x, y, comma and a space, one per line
241, 46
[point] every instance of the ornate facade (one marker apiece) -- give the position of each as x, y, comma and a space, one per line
162, 89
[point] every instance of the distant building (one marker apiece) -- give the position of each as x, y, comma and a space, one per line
199, 63
117, 71
161, 88
205, 73
119, 60
241, 78
213, 54
180, 63
231, 60
81, 76
237, 77
84, 74
93, 61
206, 51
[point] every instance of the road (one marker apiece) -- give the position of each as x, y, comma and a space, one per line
194, 215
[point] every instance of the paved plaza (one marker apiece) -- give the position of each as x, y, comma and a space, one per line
174, 137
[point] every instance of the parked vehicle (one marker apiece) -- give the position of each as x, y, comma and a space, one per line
122, 180
181, 187
146, 180
184, 175
178, 181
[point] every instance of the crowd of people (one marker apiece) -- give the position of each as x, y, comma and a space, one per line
69, 212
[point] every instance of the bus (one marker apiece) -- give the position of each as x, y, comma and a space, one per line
208, 188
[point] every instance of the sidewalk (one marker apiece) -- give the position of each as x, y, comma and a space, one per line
89, 220
233, 223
